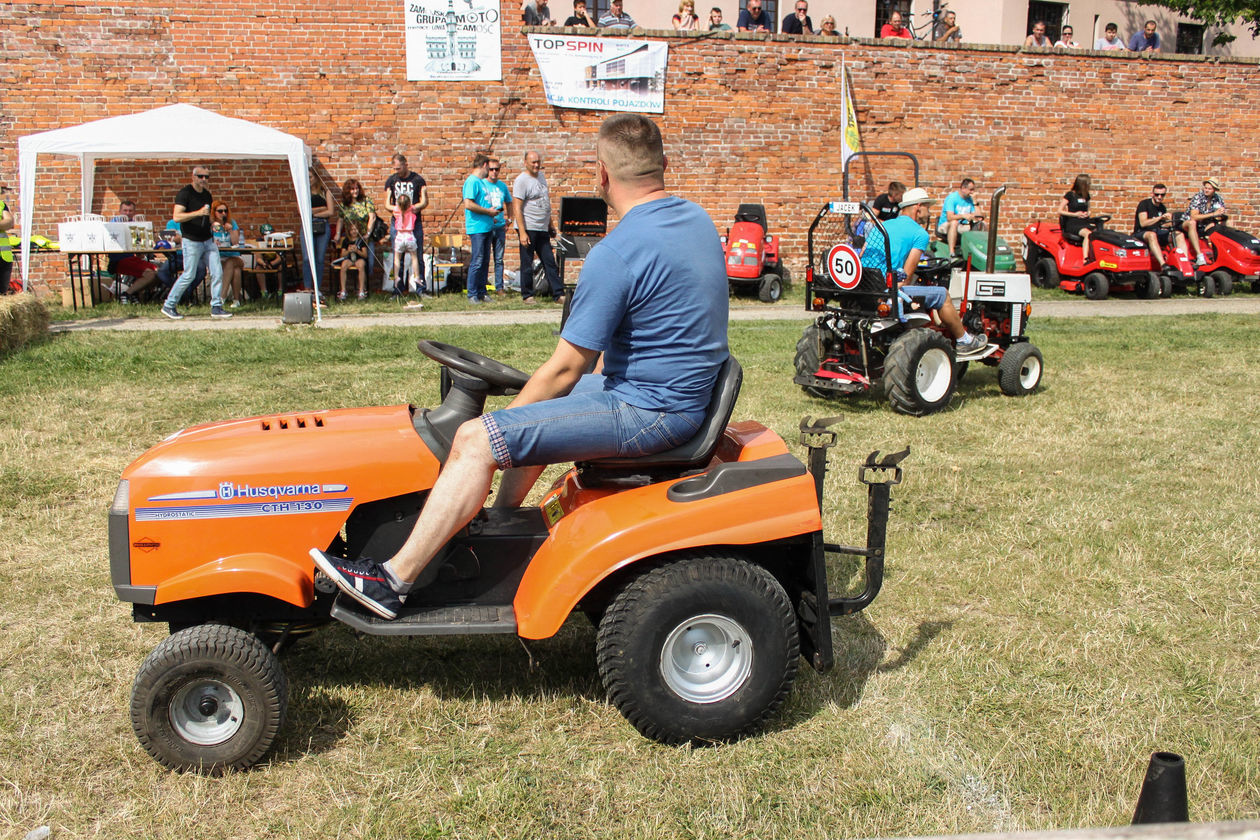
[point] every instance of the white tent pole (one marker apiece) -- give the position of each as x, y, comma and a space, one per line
299, 167
87, 181
26, 195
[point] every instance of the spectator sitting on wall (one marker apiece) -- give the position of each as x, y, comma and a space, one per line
537, 14
1065, 39
616, 18
828, 26
798, 23
888, 205
1038, 38
130, 265
753, 18
946, 28
579, 16
895, 28
1110, 40
715, 21
1145, 41
686, 20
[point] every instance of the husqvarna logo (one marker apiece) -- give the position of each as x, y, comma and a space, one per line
226, 490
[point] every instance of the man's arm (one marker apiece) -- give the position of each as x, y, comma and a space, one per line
518, 215
912, 262
558, 375
179, 214
469, 204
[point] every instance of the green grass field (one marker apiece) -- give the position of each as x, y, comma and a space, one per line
1072, 584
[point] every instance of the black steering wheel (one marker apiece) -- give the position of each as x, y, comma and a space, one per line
494, 374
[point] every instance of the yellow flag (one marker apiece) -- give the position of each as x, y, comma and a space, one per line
850, 140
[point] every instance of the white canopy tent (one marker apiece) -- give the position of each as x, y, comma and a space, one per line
169, 132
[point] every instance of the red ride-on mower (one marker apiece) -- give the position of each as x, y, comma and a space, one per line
1232, 257
704, 567
1120, 263
752, 255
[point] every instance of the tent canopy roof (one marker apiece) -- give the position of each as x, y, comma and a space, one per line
170, 132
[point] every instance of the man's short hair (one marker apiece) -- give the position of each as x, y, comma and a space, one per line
1149, 23
480, 159
966, 182
896, 186
577, 3
631, 148
1159, 187
717, 9
399, 157
126, 202
1111, 27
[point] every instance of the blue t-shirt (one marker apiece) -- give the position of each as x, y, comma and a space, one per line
499, 195
653, 297
906, 235
475, 188
954, 203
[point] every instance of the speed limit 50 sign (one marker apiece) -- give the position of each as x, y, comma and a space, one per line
844, 267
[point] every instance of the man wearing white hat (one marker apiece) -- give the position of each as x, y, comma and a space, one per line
1206, 206
908, 241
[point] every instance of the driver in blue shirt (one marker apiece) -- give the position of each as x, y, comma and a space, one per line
958, 211
652, 301
908, 241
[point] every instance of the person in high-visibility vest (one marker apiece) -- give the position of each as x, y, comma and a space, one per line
6, 248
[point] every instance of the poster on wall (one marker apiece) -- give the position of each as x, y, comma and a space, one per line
602, 74
453, 41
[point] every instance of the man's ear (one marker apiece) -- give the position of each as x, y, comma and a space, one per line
664, 162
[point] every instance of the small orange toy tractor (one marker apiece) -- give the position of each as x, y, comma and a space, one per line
752, 255
704, 567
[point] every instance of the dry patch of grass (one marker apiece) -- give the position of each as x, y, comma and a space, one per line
1072, 585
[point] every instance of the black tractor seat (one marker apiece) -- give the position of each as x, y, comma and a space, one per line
681, 460
755, 213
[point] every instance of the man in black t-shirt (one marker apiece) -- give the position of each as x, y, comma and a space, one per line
753, 19
1153, 222
579, 16
888, 205
192, 211
408, 183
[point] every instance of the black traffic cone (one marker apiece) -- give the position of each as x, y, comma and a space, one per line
1163, 796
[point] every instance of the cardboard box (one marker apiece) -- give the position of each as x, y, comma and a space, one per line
85, 235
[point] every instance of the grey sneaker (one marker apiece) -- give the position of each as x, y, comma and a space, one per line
219, 312
172, 313
975, 345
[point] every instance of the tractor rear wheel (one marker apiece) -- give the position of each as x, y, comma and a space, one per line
1096, 285
771, 288
808, 358
1224, 282
1019, 372
1149, 289
704, 648
209, 698
919, 372
1045, 274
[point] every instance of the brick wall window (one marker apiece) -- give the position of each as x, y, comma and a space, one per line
1052, 13
884, 10
770, 7
1190, 38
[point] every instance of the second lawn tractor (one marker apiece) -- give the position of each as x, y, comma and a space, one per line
752, 255
866, 335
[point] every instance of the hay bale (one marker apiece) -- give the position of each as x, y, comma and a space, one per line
23, 319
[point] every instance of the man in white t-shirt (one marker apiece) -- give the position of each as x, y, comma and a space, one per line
531, 208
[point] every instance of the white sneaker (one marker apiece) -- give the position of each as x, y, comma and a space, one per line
971, 343
1200, 260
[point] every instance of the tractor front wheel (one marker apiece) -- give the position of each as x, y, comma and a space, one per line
771, 288
808, 359
1207, 285
1019, 372
701, 649
1096, 285
1149, 290
208, 699
919, 372
1224, 282
1045, 274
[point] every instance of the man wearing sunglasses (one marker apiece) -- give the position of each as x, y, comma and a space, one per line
192, 211
1153, 222
798, 23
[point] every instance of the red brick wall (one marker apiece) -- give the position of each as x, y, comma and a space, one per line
745, 120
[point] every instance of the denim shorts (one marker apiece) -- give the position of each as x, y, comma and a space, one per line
587, 424
933, 297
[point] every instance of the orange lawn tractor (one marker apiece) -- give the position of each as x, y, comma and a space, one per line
752, 255
703, 567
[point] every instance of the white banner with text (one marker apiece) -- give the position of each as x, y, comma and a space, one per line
453, 40
602, 74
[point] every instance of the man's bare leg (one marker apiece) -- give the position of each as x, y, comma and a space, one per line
1152, 242
458, 494
949, 317
515, 486
1192, 233
951, 235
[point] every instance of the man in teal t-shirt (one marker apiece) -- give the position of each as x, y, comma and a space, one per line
500, 196
958, 211
479, 216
